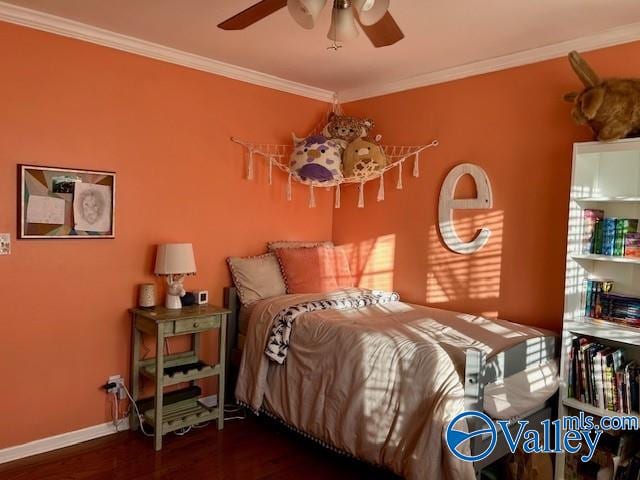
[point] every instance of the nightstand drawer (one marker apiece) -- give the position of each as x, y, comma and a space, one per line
196, 324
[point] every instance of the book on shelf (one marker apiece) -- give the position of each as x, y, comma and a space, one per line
594, 289
597, 238
632, 244
614, 454
609, 235
600, 376
591, 219
619, 308
624, 226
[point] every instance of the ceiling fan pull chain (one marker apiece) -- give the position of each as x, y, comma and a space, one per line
337, 204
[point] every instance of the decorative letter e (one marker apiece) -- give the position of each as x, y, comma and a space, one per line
448, 204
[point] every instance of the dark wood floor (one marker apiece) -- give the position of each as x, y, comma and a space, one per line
247, 449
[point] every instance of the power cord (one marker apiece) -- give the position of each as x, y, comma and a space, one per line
135, 407
237, 413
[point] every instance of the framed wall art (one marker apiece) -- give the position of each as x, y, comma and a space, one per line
65, 203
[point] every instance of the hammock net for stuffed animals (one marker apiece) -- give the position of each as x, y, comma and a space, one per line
277, 156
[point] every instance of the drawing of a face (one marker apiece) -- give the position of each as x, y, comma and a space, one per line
92, 207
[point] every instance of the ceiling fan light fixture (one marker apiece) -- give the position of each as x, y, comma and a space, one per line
343, 25
371, 12
306, 12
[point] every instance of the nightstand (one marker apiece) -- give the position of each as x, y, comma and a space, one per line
165, 370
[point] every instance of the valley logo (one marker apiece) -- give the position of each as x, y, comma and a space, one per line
568, 434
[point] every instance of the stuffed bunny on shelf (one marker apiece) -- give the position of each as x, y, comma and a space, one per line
610, 107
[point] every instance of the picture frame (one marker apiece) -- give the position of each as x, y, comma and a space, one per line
56, 202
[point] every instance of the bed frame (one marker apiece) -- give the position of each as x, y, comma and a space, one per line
478, 373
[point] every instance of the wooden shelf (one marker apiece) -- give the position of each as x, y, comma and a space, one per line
600, 412
593, 327
623, 199
149, 371
606, 258
182, 414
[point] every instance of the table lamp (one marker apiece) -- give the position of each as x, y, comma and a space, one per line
174, 261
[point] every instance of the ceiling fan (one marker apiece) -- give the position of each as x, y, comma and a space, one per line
372, 15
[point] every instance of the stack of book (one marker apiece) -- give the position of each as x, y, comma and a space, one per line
593, 296
616, 456
610, 235
601, 302
600, 376
616, 452
620, 309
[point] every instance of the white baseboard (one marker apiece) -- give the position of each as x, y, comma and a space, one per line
60, 441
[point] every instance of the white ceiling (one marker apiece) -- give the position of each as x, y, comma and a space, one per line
439, 34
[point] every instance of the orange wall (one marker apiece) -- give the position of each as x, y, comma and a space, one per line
512, 123
165, 131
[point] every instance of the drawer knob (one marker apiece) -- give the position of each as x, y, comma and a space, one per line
196, 324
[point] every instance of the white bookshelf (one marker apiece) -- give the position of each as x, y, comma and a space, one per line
605, 176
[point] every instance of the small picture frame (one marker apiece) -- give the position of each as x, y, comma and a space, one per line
202, 297
65, 203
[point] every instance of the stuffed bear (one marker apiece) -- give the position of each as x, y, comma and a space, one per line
316, 158
346, 129
610, 107
363, 158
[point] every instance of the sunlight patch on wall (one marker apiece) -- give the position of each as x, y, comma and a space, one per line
574, 272
453, 276
372, 262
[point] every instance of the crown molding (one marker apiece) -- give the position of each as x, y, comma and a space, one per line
70, 28
608, 38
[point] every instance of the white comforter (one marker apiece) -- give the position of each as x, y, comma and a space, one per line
380, 382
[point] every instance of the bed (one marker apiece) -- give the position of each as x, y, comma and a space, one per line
381, 382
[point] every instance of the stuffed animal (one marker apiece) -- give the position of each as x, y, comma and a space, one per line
346, 129
610, 107
317, 159
363, 158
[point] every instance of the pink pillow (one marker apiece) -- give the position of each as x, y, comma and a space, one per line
344, 279
313, 270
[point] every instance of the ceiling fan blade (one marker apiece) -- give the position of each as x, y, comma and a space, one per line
252, 14
384, 33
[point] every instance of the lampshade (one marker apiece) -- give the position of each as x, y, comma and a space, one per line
371, 12
306, 12
175, 259
343, 25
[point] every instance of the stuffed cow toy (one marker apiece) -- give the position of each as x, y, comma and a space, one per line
363, 158
316, 159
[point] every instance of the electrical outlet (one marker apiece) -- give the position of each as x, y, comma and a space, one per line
5, 243
119, 381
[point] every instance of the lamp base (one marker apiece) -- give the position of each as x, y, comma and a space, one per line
172, 302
